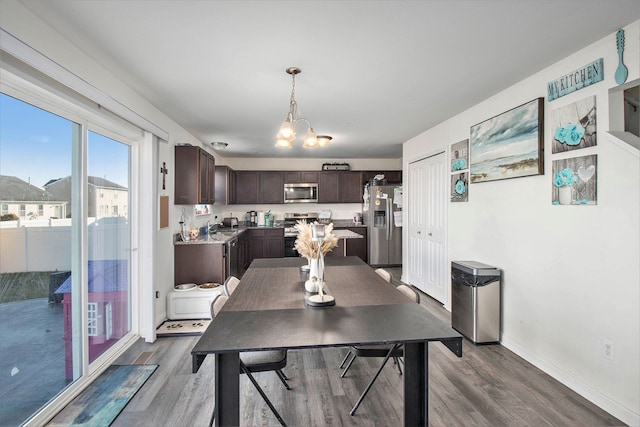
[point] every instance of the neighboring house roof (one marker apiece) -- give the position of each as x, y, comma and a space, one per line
92, 180
13, 189
107, 275
104, 183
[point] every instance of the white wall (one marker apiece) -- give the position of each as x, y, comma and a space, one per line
571, 275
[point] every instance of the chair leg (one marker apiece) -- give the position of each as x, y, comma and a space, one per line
396, 361
346, 356
348, 366
264, 396
282, 373
283, 378
366, 390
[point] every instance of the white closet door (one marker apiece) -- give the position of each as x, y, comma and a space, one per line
428, 269
416, 225
435, 201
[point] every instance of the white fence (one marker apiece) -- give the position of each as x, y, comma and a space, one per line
45, 245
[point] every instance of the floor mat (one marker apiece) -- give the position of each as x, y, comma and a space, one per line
101, 402
182, 327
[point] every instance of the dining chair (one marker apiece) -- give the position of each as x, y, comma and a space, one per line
230, 285
257, 361
386, 351
384, 274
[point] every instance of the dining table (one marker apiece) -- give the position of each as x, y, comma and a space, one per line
269, 311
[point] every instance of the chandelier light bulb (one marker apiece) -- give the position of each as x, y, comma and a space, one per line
310, 139
283, 143
324, 140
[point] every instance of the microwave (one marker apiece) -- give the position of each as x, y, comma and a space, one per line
301, 193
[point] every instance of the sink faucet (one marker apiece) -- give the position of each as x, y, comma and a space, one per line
208, 226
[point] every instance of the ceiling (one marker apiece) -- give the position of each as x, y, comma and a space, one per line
374, 73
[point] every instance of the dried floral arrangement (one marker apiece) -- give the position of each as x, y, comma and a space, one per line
307, 247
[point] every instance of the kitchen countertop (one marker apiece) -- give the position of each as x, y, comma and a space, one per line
221, 236
347, 234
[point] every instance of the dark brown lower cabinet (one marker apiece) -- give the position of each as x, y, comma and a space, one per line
352, 247
198, 263
265, 243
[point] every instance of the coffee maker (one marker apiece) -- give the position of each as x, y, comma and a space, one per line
253, 218
357, 218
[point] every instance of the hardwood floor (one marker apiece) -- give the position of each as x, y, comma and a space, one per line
488, 386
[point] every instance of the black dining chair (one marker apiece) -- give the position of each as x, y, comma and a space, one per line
386, 351
257, 361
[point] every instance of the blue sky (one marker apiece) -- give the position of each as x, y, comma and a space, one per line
35, 146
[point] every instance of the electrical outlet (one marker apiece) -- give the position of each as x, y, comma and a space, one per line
607, 349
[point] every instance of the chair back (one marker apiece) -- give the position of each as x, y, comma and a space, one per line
410, 292
217, 304
384, 274
230, 285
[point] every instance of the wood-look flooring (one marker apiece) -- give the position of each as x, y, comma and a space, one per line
488, 386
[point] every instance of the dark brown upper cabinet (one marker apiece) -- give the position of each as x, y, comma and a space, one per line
339, 187
259, 187
194, 176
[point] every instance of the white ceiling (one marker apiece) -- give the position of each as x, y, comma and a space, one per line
374, 73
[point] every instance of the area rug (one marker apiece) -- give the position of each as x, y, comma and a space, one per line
182, 327
101, 402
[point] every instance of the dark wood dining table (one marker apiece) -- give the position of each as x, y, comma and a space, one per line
268, 311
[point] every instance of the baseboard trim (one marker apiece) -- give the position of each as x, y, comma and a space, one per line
623, 413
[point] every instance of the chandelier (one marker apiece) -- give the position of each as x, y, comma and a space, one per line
287, 132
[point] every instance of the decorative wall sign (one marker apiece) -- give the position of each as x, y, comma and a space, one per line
509, 145
576, 80
575, 181
460, 187
574, 126
460, 156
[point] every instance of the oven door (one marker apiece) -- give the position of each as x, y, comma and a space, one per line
289, 246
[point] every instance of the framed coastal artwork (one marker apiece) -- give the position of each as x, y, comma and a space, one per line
510, 145
460, 156
575, 181
574, 126
460, 187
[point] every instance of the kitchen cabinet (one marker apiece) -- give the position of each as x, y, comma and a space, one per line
199, 263
246, 187
340, 187
271, 187
265, 243
253, 187
194, 176
300, 177
392, 177
243, 254
224, 185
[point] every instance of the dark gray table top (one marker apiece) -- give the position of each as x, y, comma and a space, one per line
268, 311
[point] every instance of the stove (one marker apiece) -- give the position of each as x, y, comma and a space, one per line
290, 232
291, 218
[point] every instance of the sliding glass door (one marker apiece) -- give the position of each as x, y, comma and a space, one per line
65, 250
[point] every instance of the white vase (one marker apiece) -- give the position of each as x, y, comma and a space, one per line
314, 271
564, 195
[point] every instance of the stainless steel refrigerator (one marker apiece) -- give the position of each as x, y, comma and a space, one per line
384, 223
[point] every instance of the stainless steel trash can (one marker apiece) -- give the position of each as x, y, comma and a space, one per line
475, 300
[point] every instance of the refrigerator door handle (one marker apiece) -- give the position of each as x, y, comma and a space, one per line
389, 223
